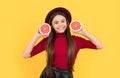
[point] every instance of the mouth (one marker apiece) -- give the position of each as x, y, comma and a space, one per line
61, 28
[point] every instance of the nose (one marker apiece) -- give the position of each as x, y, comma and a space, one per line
60, 24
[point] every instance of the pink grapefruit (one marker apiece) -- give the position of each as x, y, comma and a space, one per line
45, 29
76, 25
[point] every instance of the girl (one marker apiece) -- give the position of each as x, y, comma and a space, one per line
61, 47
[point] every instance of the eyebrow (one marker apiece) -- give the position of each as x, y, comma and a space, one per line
60, 20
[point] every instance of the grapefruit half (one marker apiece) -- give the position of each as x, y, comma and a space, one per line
76, 25
45, 29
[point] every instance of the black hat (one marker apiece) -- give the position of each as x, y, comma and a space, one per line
58, 9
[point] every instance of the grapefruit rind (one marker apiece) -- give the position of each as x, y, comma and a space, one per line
40, 30
78, 28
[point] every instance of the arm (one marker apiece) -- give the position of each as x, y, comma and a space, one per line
28, 49
94, 40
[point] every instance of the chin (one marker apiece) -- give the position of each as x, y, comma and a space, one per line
61, 32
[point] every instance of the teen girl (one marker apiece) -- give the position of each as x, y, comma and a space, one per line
61, 47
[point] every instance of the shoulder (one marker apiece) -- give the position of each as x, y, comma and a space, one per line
43, 41
77, 37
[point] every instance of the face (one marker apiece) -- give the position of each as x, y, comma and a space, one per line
59, 24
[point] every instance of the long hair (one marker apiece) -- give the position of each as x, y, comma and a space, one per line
50, 45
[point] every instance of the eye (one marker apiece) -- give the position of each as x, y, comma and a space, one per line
63, 21
56, 22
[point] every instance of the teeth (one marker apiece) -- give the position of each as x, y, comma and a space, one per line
60, 28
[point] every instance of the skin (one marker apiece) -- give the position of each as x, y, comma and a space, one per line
60, 25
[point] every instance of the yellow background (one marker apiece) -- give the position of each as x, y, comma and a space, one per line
19, 20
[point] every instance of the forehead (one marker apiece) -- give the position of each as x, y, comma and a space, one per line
58, 17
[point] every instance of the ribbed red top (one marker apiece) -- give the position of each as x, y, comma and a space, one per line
61, 49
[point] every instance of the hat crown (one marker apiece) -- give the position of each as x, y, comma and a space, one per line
59, 9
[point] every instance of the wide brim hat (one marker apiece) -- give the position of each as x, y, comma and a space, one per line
58, 9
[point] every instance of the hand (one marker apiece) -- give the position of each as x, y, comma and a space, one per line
44, 29
38, 34
82, 31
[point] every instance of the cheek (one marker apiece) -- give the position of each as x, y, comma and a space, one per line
65, 24
54, 26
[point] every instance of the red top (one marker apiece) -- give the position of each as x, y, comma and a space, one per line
61, 49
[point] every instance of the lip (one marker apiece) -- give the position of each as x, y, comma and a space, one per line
61, 29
